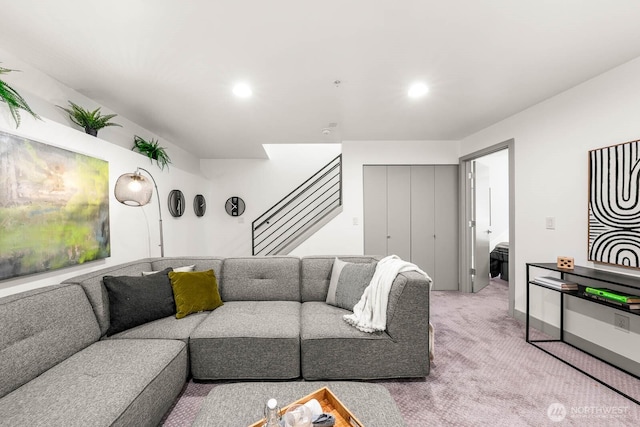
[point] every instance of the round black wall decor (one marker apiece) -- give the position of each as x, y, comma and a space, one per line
176, 203
234, 206
199, 205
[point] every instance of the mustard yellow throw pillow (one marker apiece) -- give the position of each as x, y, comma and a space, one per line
194, 292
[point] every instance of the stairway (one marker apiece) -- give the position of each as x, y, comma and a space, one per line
300, 213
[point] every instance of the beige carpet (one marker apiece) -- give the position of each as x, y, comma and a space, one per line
485, 374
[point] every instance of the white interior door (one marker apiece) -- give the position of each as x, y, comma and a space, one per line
482, 224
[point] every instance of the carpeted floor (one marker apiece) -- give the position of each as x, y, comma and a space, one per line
485, 374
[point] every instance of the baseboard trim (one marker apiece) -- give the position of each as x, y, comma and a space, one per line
590, 347
534, 322
603, 353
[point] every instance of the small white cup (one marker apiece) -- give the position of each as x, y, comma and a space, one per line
297, 416
314, 407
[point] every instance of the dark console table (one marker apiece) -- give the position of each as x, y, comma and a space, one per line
628, 283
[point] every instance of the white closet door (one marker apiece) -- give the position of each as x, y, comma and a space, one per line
399, 211
375, 210
412, 212
423, 218
446, 228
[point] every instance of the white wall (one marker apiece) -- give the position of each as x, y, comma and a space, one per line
44, 94
134, 231
345, 234
552, 140
260, 183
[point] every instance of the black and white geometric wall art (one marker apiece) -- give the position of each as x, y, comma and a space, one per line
614, 208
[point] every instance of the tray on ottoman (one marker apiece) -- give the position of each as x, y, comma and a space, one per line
330, 405
241, 404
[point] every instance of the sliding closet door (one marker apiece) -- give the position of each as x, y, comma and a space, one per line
423, 218
399, 211
375, 210
446, 226
412, 212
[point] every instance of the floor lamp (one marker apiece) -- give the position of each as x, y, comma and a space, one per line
133, 189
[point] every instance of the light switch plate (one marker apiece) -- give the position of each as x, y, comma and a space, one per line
550, 222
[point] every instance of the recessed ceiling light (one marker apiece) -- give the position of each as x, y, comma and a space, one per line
242, 90
417, 90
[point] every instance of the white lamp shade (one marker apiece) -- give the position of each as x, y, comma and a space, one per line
133, 189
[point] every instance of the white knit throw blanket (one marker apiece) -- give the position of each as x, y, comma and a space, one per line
370, 313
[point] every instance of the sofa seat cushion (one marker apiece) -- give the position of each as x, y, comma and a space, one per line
333, 349
41, 328
110, 383
248, 340
323, 321
165, 328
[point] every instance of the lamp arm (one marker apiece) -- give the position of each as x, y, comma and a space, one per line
159, 210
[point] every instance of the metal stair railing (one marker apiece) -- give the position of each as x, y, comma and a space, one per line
299, 210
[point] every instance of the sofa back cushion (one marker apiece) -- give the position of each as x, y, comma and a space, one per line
96, 291
41, 328
316, 274
261, 279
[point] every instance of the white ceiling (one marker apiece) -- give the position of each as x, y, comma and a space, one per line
169, 65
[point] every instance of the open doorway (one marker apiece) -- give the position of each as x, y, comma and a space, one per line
496, 167
487, 240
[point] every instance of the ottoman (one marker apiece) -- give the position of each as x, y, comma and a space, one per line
242, 404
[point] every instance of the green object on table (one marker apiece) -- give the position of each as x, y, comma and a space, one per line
616, 296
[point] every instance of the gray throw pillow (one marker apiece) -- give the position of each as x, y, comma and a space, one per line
134, 300
348, 282
186, 268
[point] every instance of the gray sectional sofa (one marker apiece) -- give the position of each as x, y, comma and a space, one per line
58, 367
55, 370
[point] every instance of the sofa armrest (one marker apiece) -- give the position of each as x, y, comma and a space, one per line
408, 308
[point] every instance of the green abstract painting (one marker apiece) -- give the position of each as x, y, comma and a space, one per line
54, 207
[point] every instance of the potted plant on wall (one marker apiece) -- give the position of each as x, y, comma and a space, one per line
91, 121
152, 150
13, 99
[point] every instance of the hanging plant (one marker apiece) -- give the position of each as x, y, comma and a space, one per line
14, 100
152, 150
91, 121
